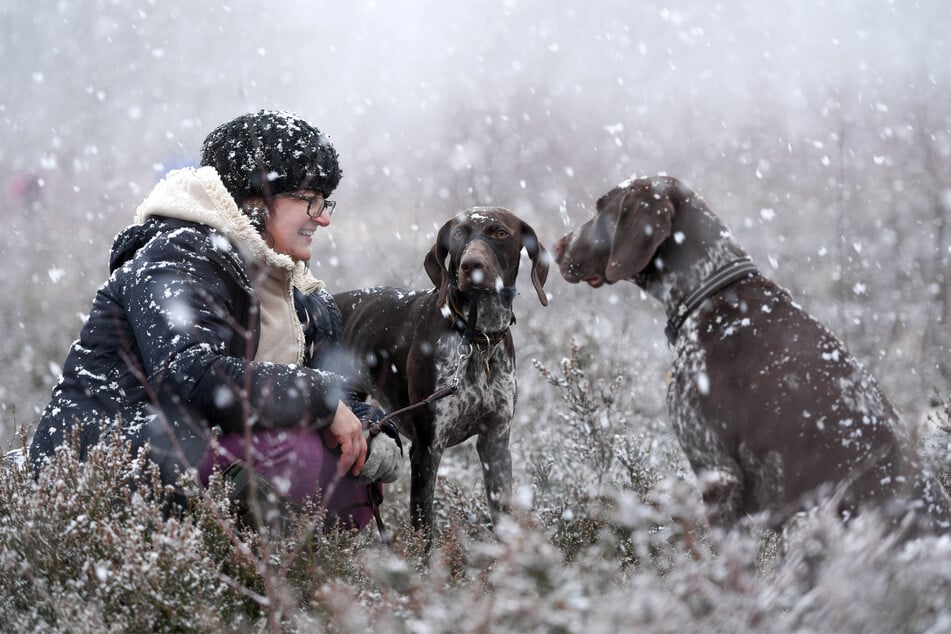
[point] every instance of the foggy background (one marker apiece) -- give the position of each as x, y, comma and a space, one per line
820, 131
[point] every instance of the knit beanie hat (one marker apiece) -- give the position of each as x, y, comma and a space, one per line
271, 152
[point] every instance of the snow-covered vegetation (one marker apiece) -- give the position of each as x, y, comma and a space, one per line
821, 134
606, 535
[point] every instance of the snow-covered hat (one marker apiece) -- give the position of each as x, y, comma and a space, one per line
271, 152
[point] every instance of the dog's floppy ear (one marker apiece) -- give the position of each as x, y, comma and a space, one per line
540, 260
435, 263
644, 222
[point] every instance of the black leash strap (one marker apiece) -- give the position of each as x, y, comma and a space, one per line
461, 323
471, 321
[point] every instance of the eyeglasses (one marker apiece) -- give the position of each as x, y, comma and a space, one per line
329, 205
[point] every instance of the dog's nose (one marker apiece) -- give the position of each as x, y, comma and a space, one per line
472, 264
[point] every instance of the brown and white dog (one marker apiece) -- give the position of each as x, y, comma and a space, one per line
770, 408
408, 346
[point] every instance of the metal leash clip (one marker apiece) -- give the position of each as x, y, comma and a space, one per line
464, 351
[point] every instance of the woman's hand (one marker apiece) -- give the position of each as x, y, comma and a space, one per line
347, 431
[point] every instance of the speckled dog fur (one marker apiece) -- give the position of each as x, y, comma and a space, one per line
408, 347
770, 408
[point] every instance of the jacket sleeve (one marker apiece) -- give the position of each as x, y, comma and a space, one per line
191, 307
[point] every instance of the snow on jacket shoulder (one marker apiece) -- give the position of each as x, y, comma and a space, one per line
171, 339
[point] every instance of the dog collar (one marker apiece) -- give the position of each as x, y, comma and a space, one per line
726, 275
459, 322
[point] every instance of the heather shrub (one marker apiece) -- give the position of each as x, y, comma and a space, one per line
937, 446
605, 448
606, 533
84, 549
95, 545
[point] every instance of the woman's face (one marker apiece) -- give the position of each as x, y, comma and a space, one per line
289, 228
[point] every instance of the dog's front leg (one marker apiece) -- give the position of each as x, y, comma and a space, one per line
719, 477
424, 461
496, 461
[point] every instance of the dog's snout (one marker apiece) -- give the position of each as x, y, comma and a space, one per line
478, 266
471, 263
473, 266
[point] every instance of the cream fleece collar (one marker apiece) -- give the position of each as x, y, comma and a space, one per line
198, 195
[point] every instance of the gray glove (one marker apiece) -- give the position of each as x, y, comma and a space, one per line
383, 460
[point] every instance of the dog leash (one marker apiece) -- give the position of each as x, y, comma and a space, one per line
464, 350
731, 272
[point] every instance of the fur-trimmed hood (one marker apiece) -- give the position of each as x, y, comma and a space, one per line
198, 195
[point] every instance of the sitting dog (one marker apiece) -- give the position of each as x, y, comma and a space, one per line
769, 406
409, 345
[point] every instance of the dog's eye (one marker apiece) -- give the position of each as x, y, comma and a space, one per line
499, 233
459, 234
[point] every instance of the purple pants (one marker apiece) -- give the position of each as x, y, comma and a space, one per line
297, 464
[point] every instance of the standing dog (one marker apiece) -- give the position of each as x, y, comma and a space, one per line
410, 344
769, 406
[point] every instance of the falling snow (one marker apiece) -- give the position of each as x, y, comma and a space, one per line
820, 134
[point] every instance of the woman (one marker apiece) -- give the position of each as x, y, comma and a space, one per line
212, 340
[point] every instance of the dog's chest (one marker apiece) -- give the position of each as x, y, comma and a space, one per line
688, 383
484, 400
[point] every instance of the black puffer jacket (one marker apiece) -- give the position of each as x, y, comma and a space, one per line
167, 350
